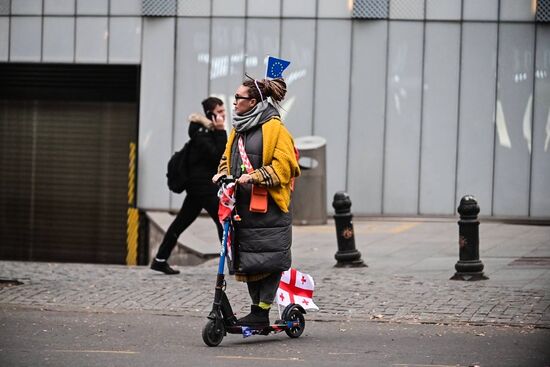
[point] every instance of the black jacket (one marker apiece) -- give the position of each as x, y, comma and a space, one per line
206, 149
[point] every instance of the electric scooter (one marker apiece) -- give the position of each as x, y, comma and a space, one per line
222, 320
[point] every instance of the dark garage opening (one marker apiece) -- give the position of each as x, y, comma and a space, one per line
65, 132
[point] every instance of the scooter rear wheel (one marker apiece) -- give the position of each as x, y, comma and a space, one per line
211, 334
296, 331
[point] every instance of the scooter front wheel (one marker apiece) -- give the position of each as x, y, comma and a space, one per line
296, 315
212, 334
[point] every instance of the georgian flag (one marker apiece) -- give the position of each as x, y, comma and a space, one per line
296, 287
225, 208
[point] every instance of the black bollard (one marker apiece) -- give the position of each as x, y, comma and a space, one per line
469, 266
347, 255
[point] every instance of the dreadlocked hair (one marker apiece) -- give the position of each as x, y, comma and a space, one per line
274, 88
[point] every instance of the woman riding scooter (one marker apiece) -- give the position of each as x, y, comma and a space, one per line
260, 154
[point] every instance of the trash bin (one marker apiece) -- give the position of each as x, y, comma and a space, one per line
309, 200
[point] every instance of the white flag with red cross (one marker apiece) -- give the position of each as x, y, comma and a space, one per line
296, 287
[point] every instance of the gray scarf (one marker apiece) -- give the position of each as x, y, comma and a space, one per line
251, 118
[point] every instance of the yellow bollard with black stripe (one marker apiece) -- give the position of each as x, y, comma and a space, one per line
132, 225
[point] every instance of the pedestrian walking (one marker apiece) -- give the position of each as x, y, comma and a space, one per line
260, 153
207, 142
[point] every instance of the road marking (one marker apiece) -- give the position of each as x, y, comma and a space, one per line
426, 365
94, 351
260, 358
404, 227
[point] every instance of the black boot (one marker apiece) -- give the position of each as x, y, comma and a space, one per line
163, 267
257, 318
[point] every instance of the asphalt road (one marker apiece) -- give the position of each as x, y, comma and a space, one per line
34, 337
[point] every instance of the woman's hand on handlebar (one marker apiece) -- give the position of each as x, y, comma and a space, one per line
217, 177
245, 178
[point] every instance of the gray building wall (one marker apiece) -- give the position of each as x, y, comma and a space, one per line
433, 100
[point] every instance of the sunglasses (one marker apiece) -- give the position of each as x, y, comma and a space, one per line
237, 97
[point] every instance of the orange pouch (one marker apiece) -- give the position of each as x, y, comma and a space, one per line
258, 199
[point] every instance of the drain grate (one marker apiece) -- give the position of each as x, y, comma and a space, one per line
531, 261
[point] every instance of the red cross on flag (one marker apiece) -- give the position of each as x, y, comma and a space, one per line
296, 287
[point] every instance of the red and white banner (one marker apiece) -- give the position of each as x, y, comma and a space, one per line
296, 287
225, 208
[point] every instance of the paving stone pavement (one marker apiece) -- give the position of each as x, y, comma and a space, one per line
407, 278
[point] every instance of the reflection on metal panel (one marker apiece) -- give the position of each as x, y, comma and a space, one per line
403, 118
477, 113
540, 171
513, 157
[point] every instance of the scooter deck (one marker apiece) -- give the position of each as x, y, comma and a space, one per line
277, 327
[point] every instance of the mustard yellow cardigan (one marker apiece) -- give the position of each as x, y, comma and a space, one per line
279, 162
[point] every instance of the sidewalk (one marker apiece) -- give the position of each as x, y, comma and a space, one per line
409, 263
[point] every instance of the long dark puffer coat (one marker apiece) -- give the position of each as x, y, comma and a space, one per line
263, 239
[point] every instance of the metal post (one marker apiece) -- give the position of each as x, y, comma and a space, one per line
347, 255
469, 266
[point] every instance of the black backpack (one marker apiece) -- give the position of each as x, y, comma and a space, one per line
178, 170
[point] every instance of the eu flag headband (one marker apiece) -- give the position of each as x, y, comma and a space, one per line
275, 67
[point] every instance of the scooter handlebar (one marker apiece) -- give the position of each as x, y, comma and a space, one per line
225, 180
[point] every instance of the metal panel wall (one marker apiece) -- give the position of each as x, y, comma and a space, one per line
403, 104
96, 7
367, 116
260, 44
192, 54
331, 98
58, 39
26, 7
228, 8
264, 8
439, 118
125, 7
194, 8
227, 58
540, 173
300, 9
124, 40
513, 120
480, 10
91, 39
517, 10
477, 113
334, 9
156, 112
25, 39
407, 9
298, 45
59, 7
444, 9
4, 38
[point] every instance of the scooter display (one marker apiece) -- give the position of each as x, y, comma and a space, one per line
222, 320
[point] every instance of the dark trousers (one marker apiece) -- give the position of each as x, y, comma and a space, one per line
190, 210
264, 290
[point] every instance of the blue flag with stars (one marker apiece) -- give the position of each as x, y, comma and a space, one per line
275, 67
